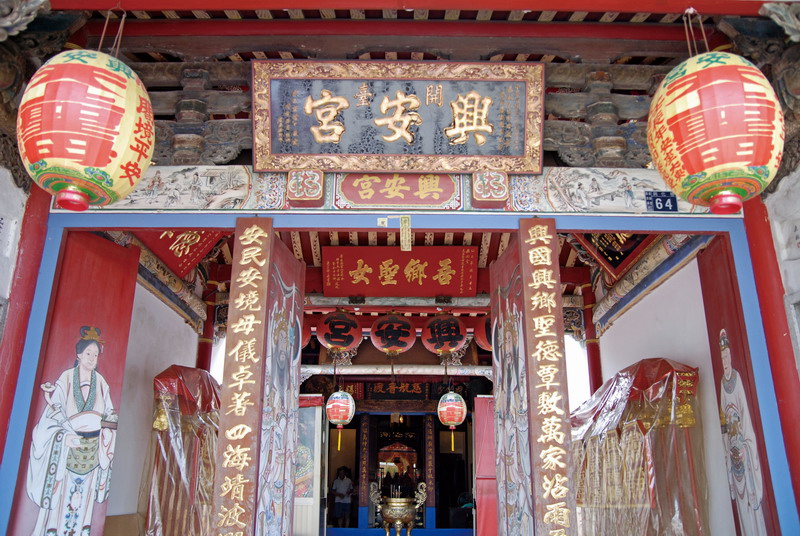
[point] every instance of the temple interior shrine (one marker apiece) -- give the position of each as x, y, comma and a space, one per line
345, 269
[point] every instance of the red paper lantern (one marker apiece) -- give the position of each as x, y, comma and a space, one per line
339, 331
340, 410
444, 334
393, 334
452, 411
715, 131
483, 333
85, 129
305, 334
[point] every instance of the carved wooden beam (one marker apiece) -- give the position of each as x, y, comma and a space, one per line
561, 75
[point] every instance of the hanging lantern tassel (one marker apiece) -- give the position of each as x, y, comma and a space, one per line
339, 442
452, 439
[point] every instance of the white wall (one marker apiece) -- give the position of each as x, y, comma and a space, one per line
785, 220
12, 207
158, 338
670, 322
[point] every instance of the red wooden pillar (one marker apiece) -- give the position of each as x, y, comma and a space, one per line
206, 341
23, 286
485, 466
769, 286
592, 342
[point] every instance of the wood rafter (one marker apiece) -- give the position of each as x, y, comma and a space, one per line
348, 39
706, 7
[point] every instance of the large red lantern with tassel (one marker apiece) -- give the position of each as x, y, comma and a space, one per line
444, 334
715, 131
85, 129
339, 331
452, 411
393, 334
340, 410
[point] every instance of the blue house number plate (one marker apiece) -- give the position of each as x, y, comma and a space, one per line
661, 202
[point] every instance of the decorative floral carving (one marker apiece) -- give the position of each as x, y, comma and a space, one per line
16, 14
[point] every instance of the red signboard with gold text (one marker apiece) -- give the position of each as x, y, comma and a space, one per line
387, 271
180, 249
409, 190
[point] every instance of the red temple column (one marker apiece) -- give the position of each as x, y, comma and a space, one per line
592, 342
205, 343
769, 286
29, 257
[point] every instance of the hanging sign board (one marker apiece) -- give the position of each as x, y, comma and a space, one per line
616, 252
397, 116
388, 271
180, 249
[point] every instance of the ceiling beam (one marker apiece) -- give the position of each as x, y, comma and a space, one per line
395, 28
455, 41
705, 7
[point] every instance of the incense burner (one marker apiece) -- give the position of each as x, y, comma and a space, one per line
398, 512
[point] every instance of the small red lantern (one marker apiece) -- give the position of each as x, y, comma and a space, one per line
340, 410
393, 334
452, 411
339, 331
483, 333
715, 131
444, 334
85, 129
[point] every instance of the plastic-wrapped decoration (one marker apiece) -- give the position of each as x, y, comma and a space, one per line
179, 489
638, 453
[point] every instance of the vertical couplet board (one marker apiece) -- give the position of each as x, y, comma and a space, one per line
69, 449
532, 431
253, 486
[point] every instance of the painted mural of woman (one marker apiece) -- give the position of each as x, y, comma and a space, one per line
72, 446
741, 452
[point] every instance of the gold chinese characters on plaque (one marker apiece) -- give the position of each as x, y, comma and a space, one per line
551, 451
240, 414
399, 117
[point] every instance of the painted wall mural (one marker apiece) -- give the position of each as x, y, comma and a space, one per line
745, 452
281, 387
65, 481
514, 495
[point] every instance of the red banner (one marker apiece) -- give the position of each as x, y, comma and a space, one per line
180, 249
387, 271
408, 190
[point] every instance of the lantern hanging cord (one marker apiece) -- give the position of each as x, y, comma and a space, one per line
688, 28
118, 38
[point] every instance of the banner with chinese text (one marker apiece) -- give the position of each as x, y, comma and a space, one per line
258, 417
532, 430
397, 116
549, 432
387, 271
180, 249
